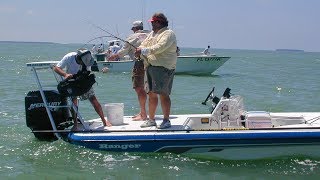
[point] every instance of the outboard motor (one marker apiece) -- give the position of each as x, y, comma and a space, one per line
37, 117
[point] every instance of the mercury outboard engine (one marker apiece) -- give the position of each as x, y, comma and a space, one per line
37, 117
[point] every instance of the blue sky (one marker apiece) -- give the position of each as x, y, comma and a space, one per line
227, 24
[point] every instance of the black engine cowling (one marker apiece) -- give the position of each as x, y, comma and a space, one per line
37, 117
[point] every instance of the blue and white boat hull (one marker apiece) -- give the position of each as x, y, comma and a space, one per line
230, 143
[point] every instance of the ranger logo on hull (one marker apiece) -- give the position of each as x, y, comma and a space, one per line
119, 146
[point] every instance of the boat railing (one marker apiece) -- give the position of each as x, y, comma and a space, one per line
35, 67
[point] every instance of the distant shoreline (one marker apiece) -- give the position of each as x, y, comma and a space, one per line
290, 50
35, 42
27, 42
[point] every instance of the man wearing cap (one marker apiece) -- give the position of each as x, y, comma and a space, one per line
160, 57
135, 40
72, 63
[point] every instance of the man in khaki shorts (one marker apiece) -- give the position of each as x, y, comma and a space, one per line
138, 72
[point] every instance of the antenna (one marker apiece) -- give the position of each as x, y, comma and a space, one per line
142, 10
117, 30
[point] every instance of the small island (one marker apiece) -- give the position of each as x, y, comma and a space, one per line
290, 50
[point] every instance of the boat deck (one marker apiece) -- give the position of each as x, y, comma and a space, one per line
178, 122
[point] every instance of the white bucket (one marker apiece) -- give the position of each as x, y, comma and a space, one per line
114, 113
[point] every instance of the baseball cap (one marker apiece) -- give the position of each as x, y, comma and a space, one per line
158, 17
137, 24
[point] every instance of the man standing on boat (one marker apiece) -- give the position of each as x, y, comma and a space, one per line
160, 57
72, 63
138, 73
113, 49
206, 51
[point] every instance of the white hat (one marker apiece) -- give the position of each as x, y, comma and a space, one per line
85, 56
137, 24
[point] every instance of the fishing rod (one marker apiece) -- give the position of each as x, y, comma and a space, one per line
116, 37
93, 40
111, 35
310, 121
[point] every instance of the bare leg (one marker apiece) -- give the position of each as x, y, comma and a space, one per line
165, 105
95, 103
153, 102
142, 97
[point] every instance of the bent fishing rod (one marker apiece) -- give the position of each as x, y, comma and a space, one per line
99, 37
111, 35
116, 37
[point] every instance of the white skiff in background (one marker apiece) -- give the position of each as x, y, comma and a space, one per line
194, 65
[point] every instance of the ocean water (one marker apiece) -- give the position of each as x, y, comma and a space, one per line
268, 80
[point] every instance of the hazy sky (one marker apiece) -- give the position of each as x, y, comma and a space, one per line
228, 24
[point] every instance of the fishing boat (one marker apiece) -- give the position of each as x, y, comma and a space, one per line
194, 64
228, 131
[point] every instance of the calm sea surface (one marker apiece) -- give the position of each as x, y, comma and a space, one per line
268, 80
